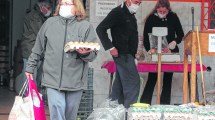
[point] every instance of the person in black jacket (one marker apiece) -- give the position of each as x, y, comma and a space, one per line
162, 16
123, 25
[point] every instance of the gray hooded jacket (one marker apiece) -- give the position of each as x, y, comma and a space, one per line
62, 71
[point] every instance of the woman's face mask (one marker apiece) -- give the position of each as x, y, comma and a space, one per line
66, 11
162, 12
162, 15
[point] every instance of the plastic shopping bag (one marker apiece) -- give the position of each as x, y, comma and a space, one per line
38, 104
108, 110
23, 107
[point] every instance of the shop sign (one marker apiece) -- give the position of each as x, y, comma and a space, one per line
211, 43
104, 7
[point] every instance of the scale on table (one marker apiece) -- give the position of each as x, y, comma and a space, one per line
167, 55
159, 32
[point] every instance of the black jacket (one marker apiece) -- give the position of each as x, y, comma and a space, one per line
172, 22
123, 28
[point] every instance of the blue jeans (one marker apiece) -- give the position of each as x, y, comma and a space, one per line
63, 105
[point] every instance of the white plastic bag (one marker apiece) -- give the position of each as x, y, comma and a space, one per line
109, 110
23, 107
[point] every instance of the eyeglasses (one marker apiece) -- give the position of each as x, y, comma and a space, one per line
66, 3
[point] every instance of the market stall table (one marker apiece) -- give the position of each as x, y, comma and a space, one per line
150, 67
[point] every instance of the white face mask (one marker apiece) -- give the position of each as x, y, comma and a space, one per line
65, 11
48, 13
133, 8
162, 15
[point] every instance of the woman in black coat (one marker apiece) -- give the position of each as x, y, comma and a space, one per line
162, 16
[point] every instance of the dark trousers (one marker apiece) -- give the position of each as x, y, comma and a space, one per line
126, 85
150, 85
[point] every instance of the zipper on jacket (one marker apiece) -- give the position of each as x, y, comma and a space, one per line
83, 71
63, 53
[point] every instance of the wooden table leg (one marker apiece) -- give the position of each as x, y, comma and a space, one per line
159, 78
193, 71
185, 82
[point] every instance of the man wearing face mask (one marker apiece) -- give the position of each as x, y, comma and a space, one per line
32, 23
123, 26
162, 16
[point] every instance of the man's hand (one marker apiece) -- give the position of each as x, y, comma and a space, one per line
83, 51
29, 75
114, 52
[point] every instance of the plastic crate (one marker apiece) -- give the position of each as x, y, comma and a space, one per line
83, 115
87, 94
86, 105
90, 79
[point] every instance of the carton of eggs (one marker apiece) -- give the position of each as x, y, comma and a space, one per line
71, 46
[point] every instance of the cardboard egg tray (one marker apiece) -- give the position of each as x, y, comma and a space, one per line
71, 46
